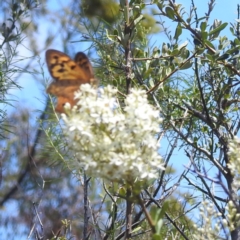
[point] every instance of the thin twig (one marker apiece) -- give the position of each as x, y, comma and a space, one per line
85, 200
31, 155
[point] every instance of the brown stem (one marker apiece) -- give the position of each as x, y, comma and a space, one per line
128, 214
148, 217
86, 206
127, 34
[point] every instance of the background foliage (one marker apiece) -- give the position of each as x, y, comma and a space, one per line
189, 65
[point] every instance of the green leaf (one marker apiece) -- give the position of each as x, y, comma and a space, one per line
174, 52
218, 29
236, 56
209, 44
122, 191
224, 56
137, 20
178, 31
158, 225
236, 41
185, 53
115, 32
204, 35
170, 13
226, 44
160, 5
232, 30
151, 83
209, 56
200, 50
203, 26
147, 64
183, 45
233, 50
156, 237
136, 229
186, 65
164, 48
156, 52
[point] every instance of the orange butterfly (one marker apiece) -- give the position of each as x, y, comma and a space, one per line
69, 75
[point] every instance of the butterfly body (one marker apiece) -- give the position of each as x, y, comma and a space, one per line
68, 75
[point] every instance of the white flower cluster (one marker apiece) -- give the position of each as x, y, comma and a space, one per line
234, 164
232, 218
111, 143
211, 224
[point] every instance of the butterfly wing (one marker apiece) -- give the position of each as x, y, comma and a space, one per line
83, 62
61, 101
64, 92
63, 88
68, 75
62, 67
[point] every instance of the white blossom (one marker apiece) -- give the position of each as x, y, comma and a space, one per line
212, 222
209, 214
110, 142
234, 163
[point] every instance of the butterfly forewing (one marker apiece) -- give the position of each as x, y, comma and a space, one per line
62, 67
83, 62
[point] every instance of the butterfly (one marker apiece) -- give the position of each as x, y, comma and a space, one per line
68, 75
